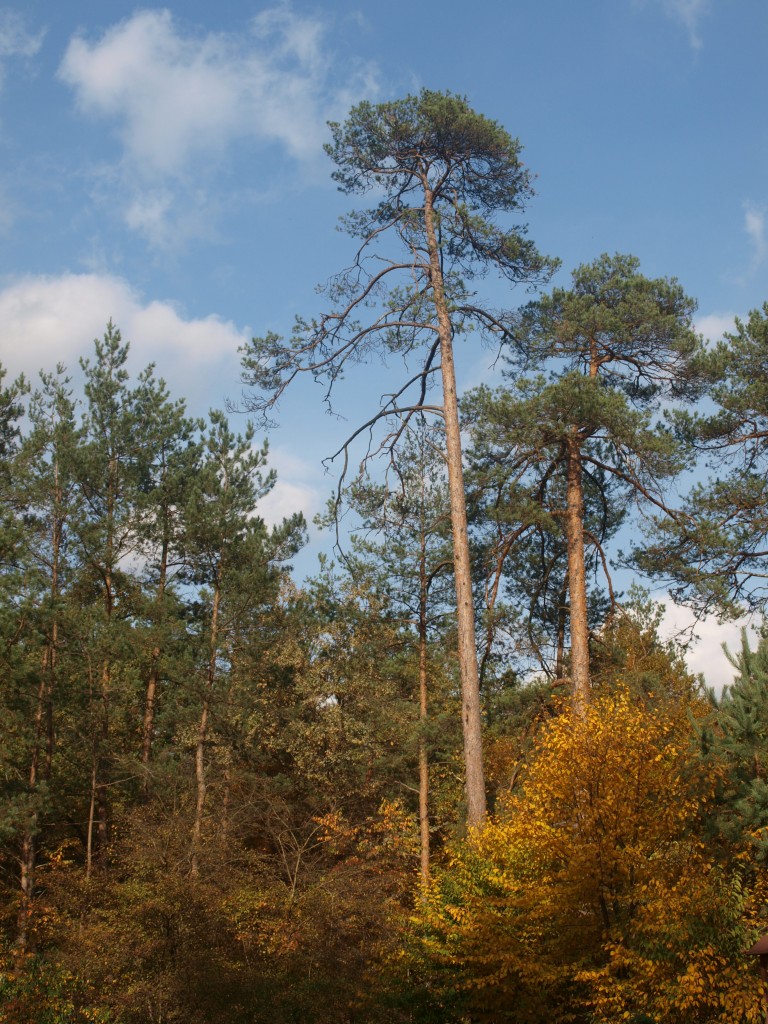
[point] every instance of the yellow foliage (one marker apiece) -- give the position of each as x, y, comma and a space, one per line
592, 891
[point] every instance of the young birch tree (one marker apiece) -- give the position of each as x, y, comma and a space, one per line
442, 173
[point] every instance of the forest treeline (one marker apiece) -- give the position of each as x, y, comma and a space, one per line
455, 776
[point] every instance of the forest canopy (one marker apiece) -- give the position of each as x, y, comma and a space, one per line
457, 775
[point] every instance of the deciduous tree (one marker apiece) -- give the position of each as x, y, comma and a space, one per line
592, 896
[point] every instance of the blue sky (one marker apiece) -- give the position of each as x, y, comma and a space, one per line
163, 166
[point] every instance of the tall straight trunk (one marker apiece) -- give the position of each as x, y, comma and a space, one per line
43, 729
202, 733
465, 612
197, 828
423, 755
97, 842
562, 618
148, 724
150, 699
102, 737
43, 741
28, 844
577, 582
57, 539
102, 758
91, 820
102, 792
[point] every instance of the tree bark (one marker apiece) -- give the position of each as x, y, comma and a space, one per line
101, 766
562, 618
28, 845
202, 734
43, 727
102, 757
465, 612
91, 820
577, 584
150, 699
423, 754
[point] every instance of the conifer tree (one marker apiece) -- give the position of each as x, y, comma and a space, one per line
404, 547
742, 737
19, 730
712, 555
234, 558
109, 472
444, 173
46, 493
620, 343
517, 501
171, 456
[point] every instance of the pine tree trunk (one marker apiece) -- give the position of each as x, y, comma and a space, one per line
102, 742
423, 755
577, 584
202, 734
43, 730
102, 765
197, 828
562, 618
28, 845
465, 613
149, 715
91, 821
150, 699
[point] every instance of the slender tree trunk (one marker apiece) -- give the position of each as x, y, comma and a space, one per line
202, 734
97, 843
465, 613
57, 537
226, 801
91, 821
577, 584
423, 754
197, 828
562, 618
154, 675
102, 741
28, 844
43, 730
102, 793
149, 715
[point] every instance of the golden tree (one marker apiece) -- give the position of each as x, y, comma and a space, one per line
592, 895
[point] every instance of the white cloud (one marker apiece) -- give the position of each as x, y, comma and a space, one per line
287, 497
756, 227
178, 97
147, 212
715, 325
15, 40
705, 654
689, 13
45, 320
180, 102
300, 486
